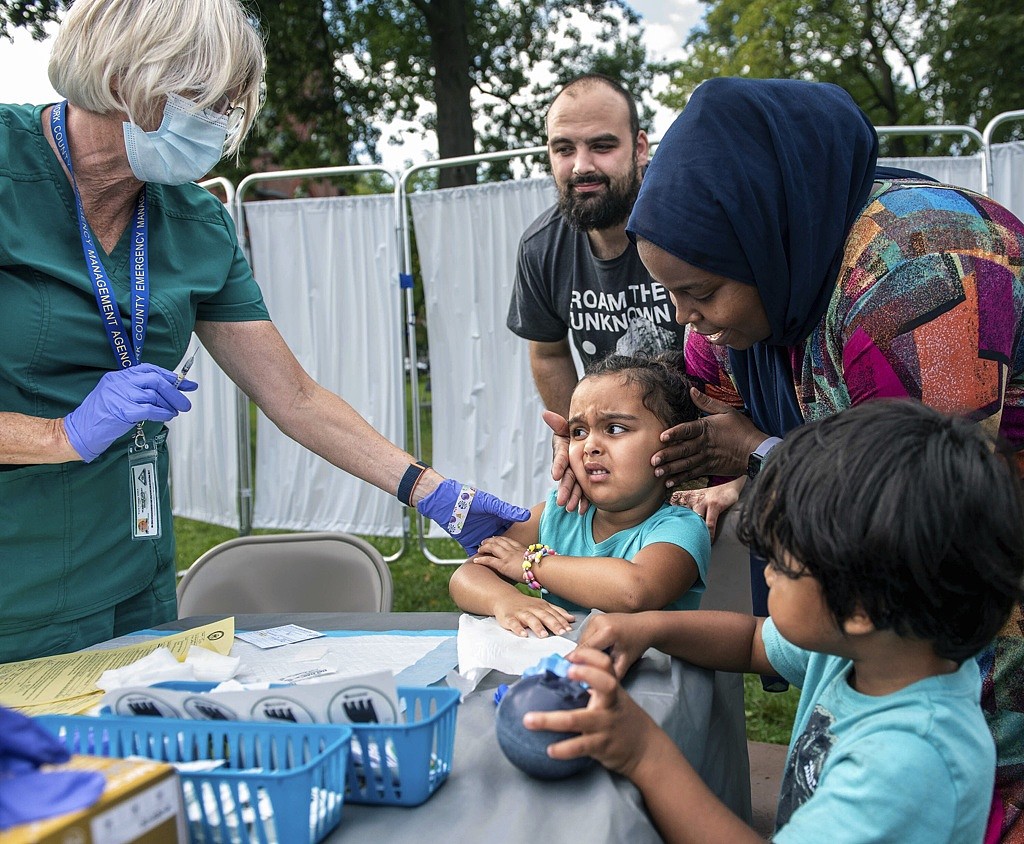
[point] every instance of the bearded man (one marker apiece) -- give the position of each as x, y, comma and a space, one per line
577, 274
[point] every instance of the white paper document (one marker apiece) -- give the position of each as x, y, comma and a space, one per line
275, 637
343, 656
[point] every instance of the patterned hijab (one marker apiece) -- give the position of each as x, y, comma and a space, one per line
760, 180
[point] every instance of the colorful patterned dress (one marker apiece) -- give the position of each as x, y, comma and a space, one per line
929, 304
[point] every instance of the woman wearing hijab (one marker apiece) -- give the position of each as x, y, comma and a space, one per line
110, 257
811, 284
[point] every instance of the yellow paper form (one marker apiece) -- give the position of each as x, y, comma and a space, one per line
67, 682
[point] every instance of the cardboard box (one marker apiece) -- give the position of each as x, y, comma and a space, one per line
141, 804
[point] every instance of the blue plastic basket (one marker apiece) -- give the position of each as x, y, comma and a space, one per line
296, 794
403, 764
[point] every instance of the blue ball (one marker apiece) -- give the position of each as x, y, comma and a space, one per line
527, 749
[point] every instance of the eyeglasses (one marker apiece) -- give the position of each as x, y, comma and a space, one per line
235, 113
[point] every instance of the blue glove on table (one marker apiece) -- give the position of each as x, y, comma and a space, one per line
28, 794
23, 743
119, 401
469, 515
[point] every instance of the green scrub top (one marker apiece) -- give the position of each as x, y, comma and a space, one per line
65, 533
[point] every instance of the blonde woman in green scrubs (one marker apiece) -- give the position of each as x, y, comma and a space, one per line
110, 257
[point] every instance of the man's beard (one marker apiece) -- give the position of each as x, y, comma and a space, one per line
586, 212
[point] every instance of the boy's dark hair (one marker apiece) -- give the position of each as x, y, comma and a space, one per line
912, 515
664, 384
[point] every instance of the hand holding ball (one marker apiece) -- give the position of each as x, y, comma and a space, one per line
527, 749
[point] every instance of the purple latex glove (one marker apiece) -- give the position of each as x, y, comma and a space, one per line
469, 515
26, 745
28, 794
121, 400
37, 795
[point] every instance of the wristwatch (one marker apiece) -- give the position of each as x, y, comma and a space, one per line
757, 458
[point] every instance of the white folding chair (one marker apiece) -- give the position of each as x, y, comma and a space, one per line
293, 572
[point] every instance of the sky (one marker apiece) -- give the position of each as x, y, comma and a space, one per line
666, 24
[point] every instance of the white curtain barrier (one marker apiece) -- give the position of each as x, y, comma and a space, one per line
203, 446
329, 273
961, 170
965, 171
1008, 176
328, 269
487, 427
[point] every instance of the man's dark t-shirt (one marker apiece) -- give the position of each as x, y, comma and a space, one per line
608, 305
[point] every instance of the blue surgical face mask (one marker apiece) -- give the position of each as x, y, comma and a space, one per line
186, 146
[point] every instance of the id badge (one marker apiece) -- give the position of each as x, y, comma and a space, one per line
145, 490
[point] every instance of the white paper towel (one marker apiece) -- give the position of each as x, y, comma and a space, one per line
161, 666
484, 645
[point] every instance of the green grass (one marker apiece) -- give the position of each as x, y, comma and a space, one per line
422, 586
769, 714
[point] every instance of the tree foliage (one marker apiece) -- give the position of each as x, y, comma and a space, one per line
32, 15
314, 114
487, 67
477, 73
905, 62
977, 60
873, 49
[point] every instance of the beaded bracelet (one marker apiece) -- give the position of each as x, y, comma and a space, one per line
532, 557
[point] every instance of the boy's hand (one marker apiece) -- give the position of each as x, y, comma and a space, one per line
520, 612
614, 729
622, 635
503, 555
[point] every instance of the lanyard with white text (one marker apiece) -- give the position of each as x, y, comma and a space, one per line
127, 348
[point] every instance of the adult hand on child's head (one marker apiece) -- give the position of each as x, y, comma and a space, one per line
711, 502
521, 613
623, 635
613, 728
120, 400
570, 494
469, 515
719, 443
502, 554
